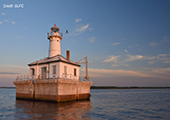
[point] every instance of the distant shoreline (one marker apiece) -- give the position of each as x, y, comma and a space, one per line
112, 87
132, 87
8, 87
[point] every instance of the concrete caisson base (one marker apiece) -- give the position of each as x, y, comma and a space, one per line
24, 96
57, 90
24, 89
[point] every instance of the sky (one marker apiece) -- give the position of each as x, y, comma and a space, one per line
127, 41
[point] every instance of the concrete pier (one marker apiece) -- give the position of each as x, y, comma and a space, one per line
57, 90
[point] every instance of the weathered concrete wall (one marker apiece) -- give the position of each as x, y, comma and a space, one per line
46, 90
24, 89
84, 89
67, 90
58, 90
73, 90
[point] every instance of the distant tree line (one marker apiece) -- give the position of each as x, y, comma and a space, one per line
132, 87
115, 87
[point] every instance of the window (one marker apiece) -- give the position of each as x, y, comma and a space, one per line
65, 70
55, 29
74, 71
54, 69
32, 71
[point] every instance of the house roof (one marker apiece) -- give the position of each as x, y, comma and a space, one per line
57, 58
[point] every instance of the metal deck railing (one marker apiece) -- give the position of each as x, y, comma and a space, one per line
33, 77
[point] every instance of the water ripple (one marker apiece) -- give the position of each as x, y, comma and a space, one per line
104, 105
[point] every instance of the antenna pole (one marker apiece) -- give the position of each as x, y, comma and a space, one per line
86, 69
80, 61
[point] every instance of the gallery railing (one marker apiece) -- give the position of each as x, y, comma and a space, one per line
31, 77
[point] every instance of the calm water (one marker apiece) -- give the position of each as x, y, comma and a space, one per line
149, 104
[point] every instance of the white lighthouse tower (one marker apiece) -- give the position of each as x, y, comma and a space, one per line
55, 39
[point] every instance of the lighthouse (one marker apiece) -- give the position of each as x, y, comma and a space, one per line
55, 65
54, 39
54, 78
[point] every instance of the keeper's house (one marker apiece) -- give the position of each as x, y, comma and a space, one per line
55, 67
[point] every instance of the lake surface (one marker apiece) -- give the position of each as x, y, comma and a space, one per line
105, 104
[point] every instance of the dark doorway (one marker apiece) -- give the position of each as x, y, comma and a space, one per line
43, 72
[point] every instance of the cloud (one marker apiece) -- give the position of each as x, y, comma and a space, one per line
162, 70
112, 59
14, 68
3, 14
114, 65
92, 39
165, 39
112, 73
80, 29
150, 58
153, 44
125, 51
122, 60
115, 44
151, 62
126, 65
162, 73
133, 58
13, 22
164, 58
1, 22
8, 73
93, 62
167, 61
78, 20
130, 46
120, 77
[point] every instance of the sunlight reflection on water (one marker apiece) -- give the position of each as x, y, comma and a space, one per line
44, 110
111, 104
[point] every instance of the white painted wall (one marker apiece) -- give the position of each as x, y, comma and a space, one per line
54, 46
30, 72
38, 71
70, 71
59, 70
51, 70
